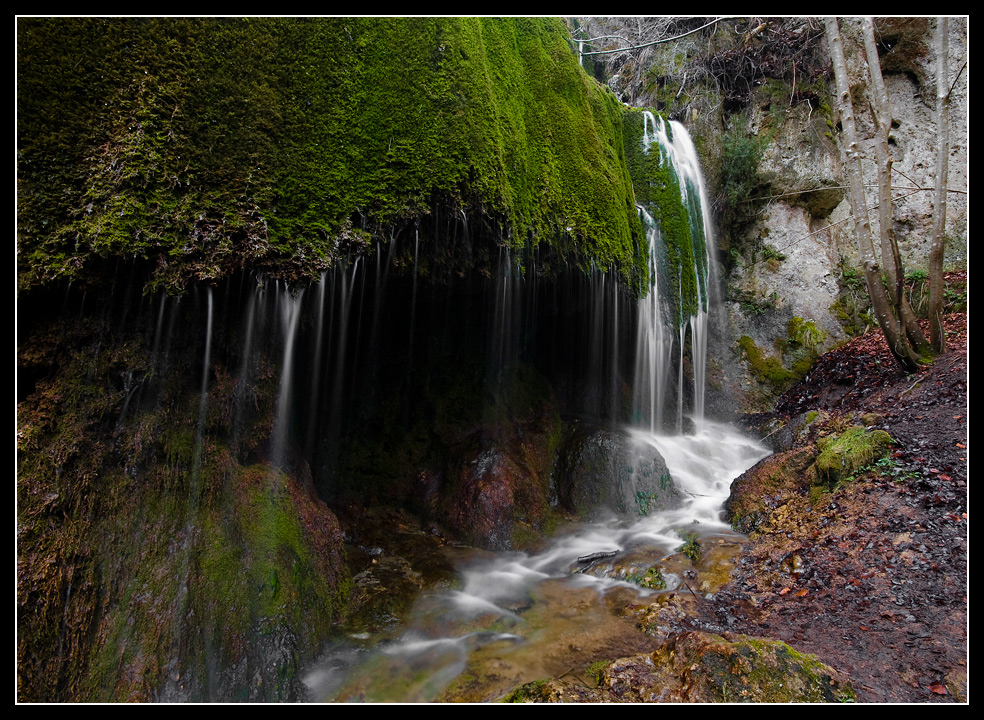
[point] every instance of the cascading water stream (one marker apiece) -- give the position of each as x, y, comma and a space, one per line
652, 346
514, 608
290, 313
316, 366
655, 330
517, 607
346, 289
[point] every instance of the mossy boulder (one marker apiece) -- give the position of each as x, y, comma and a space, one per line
807, 468
701, 667
605, 471
844, 454
759, 490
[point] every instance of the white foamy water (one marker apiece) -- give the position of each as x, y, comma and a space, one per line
506, 600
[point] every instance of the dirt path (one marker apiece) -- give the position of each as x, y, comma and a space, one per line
873, 580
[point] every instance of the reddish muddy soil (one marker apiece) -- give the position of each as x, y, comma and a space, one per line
872, 579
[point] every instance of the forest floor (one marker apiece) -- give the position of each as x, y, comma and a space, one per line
873, 581
870, 578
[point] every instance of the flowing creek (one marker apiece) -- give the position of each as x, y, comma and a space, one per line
514, 617
517, 617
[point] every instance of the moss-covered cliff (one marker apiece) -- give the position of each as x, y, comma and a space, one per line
204, 146
174, 541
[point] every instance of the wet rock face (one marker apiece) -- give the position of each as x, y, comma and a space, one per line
493, 490
602, 470
483, 500
185, 568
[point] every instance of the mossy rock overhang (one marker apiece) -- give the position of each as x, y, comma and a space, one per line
207, 146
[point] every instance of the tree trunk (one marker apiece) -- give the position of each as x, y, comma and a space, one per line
937, 335
881, 111
850, 152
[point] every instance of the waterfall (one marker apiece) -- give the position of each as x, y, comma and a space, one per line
246, 354
653, 347
659, 327
316, 366
343, 279
374, 373
506, 324
290, 313
200, 427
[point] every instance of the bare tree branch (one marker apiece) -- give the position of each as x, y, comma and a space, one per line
662, 40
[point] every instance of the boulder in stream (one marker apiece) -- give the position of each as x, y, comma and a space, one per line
601, 470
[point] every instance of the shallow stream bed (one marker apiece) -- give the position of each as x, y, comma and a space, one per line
515, 617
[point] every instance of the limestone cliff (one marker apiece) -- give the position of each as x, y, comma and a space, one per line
755, 93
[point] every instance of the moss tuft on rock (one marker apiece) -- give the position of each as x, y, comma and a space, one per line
845, 454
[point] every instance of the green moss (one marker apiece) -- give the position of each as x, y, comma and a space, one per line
178, 444
796, 355
775, 672
805, 334
843, 455
682, 254
529, 692
280, 568
766, 368
817, 494
208, 145
703, 667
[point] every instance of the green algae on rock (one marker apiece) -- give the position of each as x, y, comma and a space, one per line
701, 667
844, 454
129, 524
